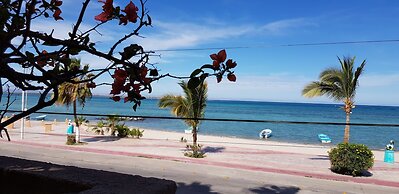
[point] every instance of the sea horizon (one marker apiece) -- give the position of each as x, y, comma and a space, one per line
253, 100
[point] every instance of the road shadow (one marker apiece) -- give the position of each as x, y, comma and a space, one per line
100, 139
18, 176
364, 173
209, 149
194, 188
320, 157
275, 189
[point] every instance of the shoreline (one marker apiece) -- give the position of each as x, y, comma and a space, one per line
165, 134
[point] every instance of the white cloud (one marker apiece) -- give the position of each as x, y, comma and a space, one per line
282, 26
183, 35
377, 80
62, 28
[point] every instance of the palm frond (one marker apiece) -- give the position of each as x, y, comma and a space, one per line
338, 84
191, 105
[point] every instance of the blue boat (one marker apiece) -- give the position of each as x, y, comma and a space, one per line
323, 138
41, 117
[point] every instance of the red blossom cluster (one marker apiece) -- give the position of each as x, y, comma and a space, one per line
129, 84
218, 60
110, 12
57, 11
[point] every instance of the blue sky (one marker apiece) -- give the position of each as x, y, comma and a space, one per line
266, 71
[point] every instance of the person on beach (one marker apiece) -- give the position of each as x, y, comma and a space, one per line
390, 146
70, 128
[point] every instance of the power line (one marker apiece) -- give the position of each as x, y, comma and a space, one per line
280, 45
220, 119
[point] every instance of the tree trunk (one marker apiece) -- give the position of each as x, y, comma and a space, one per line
75, 116
346, 133
194, 135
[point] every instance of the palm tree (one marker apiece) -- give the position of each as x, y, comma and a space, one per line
71, 93
191, 105
338, 84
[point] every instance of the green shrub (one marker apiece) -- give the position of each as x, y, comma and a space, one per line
136, 133
98, 128
71, 139
194, 151
123, 131
351, 159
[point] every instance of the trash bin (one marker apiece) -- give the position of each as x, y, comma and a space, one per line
70, 129
389, 156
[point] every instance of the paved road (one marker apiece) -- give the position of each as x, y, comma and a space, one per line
191, 178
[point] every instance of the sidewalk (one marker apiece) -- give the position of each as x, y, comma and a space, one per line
289, 159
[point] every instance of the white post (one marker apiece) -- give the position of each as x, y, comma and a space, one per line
77, 134
23, 118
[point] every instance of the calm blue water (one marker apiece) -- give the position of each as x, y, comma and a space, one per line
375, 137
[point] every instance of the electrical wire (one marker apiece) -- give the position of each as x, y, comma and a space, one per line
220, 119
280, 45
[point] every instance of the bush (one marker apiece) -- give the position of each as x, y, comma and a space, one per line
195, 151
351, 159
123, 131
71, 139
136, 133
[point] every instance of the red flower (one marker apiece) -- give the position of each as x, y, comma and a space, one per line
126, 88
231, 64
126, 99
116, 98
91, 85
108, 9
56, 2
216, 64
122, 20
120, 75
218, 58
144, 71
57, 13
231, 77
136, 87
131, 12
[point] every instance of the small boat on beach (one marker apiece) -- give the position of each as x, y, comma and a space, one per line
265, 133
323, 138
41, 117
188, 130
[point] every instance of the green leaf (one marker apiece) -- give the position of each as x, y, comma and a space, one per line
74, 51
154, 72
196, 72
86, 40
194, 82
207, 66
91, 45
130, 51
204, 76
29, 55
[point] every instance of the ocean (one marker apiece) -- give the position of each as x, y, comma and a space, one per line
374, 137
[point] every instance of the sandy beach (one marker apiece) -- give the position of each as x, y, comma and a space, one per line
258, 156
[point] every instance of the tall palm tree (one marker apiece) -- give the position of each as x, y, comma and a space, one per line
71, 93
191, 105
338, 84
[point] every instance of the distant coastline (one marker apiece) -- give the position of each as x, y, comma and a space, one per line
248, 100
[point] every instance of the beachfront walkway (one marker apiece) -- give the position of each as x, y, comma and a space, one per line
255, 166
